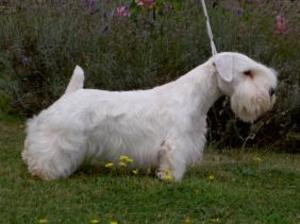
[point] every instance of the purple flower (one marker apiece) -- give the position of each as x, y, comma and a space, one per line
280, 25
148, 3
123, 11
90, 5
168, 7
239, 11
24, 60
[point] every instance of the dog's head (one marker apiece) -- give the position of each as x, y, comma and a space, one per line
249, 84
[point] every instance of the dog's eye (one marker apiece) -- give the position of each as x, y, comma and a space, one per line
248, 73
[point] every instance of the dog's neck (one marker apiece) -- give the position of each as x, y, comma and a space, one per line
198, 88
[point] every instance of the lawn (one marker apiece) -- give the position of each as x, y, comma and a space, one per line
230, 186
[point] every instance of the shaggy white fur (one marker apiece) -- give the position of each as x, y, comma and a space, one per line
162, 128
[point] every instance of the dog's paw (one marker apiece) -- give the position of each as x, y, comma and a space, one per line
165, 175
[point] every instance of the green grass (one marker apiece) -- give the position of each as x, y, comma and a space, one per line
246, 187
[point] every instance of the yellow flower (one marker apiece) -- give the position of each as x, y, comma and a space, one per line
21, 126
257, 159
113, 222
123, 164
168, 175
135, 172
211, 177
109, 165
187, 220
129, 160
94, 221
43, 221
216, 220
123, 157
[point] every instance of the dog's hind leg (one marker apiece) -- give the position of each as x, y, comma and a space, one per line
54, 157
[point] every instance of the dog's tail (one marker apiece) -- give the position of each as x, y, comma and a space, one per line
76, 81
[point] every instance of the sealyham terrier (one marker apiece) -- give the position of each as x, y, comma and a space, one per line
162, 128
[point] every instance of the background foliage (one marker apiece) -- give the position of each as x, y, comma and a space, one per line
126, 45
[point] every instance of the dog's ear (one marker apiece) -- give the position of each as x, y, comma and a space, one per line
224, 66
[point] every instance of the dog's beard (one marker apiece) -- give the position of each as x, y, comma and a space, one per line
249, 102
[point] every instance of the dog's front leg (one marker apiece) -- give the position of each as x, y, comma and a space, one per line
172, 163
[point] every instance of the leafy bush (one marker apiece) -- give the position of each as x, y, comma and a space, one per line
124, 45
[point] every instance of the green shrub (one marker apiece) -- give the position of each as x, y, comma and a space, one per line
42, 41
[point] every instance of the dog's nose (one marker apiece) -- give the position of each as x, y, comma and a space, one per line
272, 91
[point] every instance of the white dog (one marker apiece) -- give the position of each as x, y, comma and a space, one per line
162, 128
